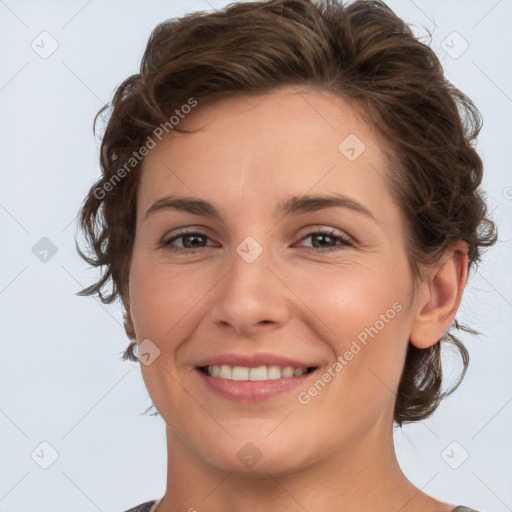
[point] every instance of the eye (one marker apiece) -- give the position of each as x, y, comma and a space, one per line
191, 242
328, 240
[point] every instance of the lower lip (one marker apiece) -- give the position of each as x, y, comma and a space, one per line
253, 391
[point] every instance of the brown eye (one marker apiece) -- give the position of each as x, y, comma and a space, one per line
328, 240
190, 242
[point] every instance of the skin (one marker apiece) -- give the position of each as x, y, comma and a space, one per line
295, 299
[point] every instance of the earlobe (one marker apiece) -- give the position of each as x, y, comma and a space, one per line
443, 289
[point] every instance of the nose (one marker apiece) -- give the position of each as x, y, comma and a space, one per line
251, 296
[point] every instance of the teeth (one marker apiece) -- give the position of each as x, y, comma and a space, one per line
242, 373
258, 373
225, 372
273, 372
287, 372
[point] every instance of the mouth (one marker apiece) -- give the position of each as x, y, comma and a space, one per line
248, 385
259, 373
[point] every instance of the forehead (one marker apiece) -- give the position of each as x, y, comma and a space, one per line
293, 139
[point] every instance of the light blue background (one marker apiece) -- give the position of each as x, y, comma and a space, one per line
62, 380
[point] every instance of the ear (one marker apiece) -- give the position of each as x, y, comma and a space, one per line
127, 317
440, 297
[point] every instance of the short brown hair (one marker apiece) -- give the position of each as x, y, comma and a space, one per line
362, 52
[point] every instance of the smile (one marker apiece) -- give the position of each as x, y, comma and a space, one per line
260, 373
253, 384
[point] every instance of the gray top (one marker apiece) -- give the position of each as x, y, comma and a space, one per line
144, 507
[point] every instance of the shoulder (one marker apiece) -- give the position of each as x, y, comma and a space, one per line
145, 507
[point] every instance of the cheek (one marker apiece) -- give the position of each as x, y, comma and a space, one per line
361, 313
161, 297
349, 299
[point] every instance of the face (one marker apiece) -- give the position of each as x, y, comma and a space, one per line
293, 252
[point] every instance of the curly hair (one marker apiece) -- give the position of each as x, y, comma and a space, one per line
362, 52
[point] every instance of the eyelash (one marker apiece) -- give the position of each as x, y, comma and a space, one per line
344, 239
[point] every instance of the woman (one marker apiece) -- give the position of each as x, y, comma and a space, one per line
289, 209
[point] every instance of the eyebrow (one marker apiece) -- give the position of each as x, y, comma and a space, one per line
292, 205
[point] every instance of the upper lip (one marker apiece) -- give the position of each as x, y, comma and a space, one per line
252, 360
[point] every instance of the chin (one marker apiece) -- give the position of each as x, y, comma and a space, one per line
257, 455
